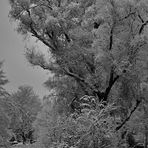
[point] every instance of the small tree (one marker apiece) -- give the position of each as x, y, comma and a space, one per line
4, 118
27, 106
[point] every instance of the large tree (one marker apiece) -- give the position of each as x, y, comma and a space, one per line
97, 48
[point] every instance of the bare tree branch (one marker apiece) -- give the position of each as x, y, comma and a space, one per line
128, 118
112, 81
67, 37
41, 5
140, 18
59, 3
111, 38
34, 33
78, 78
130, 14
142, 27
144, 23
40, 37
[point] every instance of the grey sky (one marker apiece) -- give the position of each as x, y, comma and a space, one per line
18, 70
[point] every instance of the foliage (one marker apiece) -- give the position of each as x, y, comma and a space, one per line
26, 107
89, 129
97, 48
4, 118
3, 81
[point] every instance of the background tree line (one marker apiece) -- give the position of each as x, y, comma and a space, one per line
18, 111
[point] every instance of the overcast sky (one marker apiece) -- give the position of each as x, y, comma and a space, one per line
18, 70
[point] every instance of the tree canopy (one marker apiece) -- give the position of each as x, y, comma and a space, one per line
97, 48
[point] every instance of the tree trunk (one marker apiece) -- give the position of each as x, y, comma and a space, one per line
130, 140
23, 138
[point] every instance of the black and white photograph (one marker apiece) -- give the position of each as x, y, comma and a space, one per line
73, 73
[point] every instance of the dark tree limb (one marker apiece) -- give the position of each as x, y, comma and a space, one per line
144, 23
112, 81
128, 118
112, 2
89, 64
140, 18
59, 3
111, 38
78, 78
52, 38
48, 34
142, 27
67, 37
35, 33
126, 17
32, 30
41, 4
96, 25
